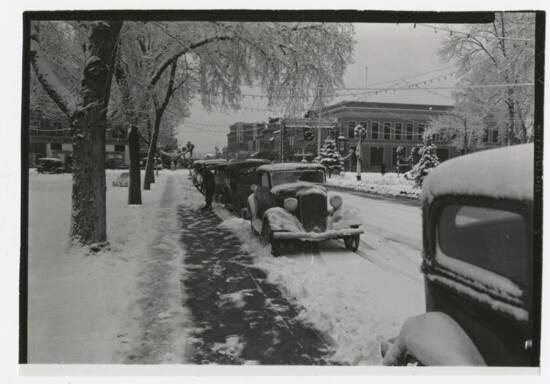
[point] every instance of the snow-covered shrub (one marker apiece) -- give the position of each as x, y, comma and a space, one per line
428, 160
330, 158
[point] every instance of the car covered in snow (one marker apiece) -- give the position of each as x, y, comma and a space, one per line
289, 204
233, 181
478, 265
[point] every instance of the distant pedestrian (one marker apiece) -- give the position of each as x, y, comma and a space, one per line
383, 169
190, 148
209, 186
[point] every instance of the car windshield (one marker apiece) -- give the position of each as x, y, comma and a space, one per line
493, 239
312, 176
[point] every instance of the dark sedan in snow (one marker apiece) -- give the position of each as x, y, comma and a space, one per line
478, 265
289, 204
233, 181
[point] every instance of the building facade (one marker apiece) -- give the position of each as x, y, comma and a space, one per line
52, 138
388, 126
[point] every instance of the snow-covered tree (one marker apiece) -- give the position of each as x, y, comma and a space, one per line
212, 60
330, 158
428, 161
463, 128
86, 109
502, 53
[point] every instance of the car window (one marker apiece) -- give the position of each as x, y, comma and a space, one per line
312, 176
265, 179
493, 239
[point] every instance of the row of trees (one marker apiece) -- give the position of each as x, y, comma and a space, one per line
148, 73
500, 54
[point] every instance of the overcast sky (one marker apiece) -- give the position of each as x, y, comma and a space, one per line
391, 52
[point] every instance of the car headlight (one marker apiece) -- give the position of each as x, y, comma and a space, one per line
336, 202
290, 204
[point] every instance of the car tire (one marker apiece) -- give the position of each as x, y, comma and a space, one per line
352, 243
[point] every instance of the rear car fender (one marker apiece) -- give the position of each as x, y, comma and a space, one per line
281, 220
433, 339
252, 203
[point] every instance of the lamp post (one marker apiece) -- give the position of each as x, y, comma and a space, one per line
359, 131
341, 144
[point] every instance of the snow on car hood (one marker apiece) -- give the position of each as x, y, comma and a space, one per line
300, 188
281, 167
499, 173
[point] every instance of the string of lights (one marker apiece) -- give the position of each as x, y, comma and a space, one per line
451, 31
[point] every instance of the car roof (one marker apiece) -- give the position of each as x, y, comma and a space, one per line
245, 163
498, 173
50, 159
282, 167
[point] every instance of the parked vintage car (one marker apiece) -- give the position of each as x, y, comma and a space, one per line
233, 181
478, 265
115, 163
290, 204
198, 165
52, 165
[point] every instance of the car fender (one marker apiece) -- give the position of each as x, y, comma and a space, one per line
253, 205
281, 220
433, 339
344, 217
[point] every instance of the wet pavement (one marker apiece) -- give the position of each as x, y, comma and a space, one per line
240, 317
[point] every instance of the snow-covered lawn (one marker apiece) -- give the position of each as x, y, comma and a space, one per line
83, 308
389, 184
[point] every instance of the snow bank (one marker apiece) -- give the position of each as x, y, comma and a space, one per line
350, 301
389, 184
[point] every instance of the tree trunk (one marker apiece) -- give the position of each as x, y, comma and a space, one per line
511, 116
149, 168
134, 188
88, 218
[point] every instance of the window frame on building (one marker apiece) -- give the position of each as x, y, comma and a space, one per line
421, 129
409, 134
375, 130
351, 129
397, 131
387, 130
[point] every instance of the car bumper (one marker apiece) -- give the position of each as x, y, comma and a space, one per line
318, 236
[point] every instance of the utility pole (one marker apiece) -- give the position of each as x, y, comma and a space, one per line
319, 115
366, 77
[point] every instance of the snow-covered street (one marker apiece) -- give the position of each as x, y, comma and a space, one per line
124, 304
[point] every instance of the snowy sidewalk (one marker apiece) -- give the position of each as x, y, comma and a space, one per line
241, 318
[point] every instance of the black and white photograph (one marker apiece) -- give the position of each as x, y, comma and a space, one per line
314, 189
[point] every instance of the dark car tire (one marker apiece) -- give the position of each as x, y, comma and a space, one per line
352, 243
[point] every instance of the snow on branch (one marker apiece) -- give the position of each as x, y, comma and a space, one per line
53, 86
180, 52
